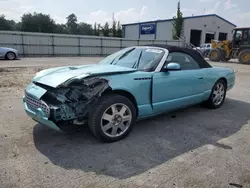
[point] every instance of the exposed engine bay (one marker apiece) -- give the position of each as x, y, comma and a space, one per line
73, 101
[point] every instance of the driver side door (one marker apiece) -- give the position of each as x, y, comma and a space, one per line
173, 89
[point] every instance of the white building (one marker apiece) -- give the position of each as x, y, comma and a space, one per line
197, 29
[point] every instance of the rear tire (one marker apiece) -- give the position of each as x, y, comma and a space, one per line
215, 55
244, 56
10, 56
217, 96
112, 118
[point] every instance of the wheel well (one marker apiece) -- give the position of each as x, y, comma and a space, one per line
225, 80
10, 52
127, 95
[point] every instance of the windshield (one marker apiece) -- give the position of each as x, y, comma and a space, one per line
135, 57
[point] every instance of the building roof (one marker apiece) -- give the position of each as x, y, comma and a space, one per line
243, 28
188, 17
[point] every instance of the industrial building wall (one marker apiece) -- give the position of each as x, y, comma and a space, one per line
163, 31
134, 32
147, 37
131, 31
39, 44
211, 24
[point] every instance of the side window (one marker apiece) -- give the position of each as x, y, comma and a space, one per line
238, 35
186, 61
245, 35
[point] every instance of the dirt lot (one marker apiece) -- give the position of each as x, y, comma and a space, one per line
195, 147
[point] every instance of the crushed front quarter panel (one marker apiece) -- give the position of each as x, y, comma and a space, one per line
68, 103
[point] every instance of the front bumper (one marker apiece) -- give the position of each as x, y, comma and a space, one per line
17, 55
40, 117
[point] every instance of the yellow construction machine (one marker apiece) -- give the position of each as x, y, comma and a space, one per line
238, 48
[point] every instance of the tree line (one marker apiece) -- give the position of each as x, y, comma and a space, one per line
38, 22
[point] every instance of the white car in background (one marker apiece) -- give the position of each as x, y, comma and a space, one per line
204, 49
8, 53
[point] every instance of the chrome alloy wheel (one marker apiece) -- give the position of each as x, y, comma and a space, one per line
10, 56
116, 120
218, 94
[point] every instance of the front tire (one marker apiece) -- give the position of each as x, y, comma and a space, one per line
215, 55
112, 118
10, 56
244, 56
218, 95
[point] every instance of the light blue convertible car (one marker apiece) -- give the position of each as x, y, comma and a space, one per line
131, 84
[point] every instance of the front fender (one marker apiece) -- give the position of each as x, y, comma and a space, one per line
138, 85
140, 89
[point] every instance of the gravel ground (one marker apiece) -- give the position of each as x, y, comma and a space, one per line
194, 147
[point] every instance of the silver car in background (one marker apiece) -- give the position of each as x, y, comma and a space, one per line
8, 53
204, 49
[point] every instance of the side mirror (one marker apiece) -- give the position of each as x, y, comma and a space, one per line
172, 66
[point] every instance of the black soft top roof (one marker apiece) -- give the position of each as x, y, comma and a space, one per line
193, 53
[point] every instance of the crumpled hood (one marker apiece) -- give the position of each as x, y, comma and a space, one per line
56, 76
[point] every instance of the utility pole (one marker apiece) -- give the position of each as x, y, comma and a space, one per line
113, 25
113, 17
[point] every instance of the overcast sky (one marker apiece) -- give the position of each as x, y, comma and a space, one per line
90, 11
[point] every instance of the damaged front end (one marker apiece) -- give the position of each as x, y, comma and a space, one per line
68, 103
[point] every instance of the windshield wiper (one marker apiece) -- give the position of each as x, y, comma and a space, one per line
137, 63
123, 55
112, 61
